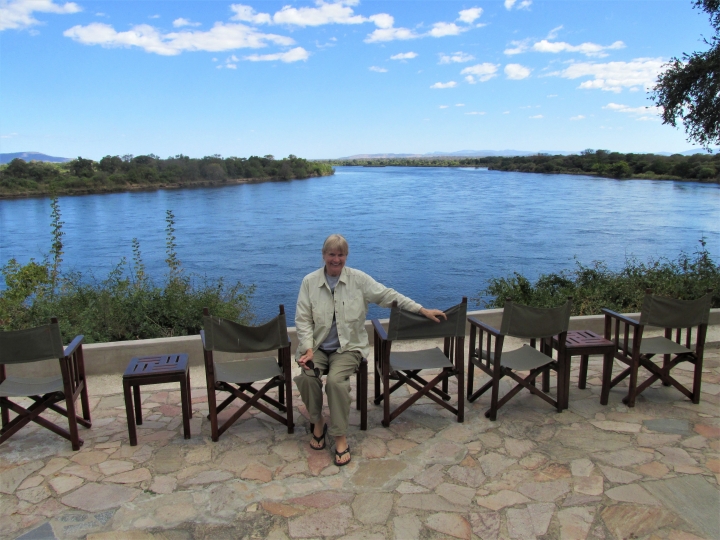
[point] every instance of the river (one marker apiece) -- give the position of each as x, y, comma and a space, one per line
434, 234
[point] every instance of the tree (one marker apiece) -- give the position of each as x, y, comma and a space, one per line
689, 89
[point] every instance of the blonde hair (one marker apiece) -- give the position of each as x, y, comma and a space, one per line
335, 242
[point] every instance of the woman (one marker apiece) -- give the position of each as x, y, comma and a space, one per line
330, 322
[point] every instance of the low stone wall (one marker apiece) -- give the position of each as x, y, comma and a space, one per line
113, 357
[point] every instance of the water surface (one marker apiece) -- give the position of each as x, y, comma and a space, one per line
434, 234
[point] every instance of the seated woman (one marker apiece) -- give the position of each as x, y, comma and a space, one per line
330, 322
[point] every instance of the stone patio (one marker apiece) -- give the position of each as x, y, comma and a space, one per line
593, 471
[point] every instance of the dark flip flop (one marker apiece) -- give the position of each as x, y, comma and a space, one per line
318, 439
338, 455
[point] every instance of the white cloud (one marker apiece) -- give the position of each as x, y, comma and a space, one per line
578, 117
8, 136
552, 34
516, 72
377, 69
614, 76
536, 117
524, 4
335, 13
391, 34
449, 84
444, 106
387, 32
588, 49
518, 47
247, 14
177, 23
293, 55
442, 29
635, 111
222, 37
456, 58
404, 56
459, 104
18, 14
552, 95
483, 72
469, 16
475, 113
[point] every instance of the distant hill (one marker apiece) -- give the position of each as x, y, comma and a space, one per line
500, 153
31, 156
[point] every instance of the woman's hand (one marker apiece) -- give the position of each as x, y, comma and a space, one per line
433, 314
305, 357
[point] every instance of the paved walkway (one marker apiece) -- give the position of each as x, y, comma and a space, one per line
590, 472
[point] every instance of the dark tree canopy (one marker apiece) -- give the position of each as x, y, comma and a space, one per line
689, 89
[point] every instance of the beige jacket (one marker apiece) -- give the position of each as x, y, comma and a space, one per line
355, 289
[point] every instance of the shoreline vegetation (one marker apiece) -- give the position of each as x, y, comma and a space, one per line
602, 163
114, 174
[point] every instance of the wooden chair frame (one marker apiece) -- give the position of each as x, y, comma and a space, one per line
621, 329
247, 393
72, 368
492, 357
453, 348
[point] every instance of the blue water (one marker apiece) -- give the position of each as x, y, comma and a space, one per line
434, 234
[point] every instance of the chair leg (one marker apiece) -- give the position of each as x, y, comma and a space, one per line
697, 380
461, 396
629, 400
546, 380
185, 402
363, 395
491, 414
386, 399
75, 439
470, 377
377, 384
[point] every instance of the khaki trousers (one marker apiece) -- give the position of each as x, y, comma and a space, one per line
339, 367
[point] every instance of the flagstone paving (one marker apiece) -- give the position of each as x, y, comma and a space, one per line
593, 471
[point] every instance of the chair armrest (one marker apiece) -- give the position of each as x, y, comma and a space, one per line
379, 330
620, 317
485, 327
74, 344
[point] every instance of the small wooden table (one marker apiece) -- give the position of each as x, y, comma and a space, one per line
583, 343
155, 370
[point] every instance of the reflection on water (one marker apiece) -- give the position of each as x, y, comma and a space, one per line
432, 234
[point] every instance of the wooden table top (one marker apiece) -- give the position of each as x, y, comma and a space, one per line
166, 364
579, 339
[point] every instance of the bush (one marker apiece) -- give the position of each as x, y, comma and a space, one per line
124, 306
595, 286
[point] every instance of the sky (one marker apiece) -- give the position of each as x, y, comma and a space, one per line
328, 79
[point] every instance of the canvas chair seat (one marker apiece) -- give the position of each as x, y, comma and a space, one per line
538, 325
24, 387
247, 371
423, 359
683, 321
525, 358
238, 377
35, 345
659, 345
404, 369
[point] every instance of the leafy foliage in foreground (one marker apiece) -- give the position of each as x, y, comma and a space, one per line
126, 305
596, 286
115, 173
697, 168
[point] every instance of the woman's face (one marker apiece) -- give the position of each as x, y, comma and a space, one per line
334, 262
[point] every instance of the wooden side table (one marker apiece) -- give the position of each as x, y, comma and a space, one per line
583, 343
155, 370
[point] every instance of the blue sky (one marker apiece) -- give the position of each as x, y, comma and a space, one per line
324, 79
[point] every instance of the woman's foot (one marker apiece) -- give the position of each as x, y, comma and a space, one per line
318, 436
342, 451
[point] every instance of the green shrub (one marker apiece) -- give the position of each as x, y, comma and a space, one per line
126, 305
596, 286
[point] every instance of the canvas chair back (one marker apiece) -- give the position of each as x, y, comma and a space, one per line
531, 322
228, 336
407, 325
31, 345
673, 313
